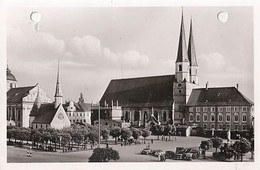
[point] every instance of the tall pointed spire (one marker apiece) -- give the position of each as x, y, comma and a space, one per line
182, 49
58, 93
191, 48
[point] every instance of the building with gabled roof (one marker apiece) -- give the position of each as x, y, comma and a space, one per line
50, 115
220, 108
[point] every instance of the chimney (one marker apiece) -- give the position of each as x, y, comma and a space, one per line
237, 86
207, 85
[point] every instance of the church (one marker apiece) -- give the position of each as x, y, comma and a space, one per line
173, 99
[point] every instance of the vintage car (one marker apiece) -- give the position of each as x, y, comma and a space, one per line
169, 154
146, 151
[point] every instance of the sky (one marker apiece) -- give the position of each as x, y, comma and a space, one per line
97, 44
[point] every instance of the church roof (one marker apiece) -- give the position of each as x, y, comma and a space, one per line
16, 95
80, 107
153, 91
182, 55
9, 75
218, 96
191, 48
45, 113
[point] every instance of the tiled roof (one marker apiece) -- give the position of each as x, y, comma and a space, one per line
218, 96
140, 92
45, 113
16, 95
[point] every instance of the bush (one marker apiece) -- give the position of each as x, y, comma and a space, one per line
104, 155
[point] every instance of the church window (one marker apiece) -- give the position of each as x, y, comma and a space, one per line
180, 67
244, 117
220, 117
205, 117
136, 116
191, 117
236, 117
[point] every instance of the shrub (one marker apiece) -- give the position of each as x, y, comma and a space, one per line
104, 155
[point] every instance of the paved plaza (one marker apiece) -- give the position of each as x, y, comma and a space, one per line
129, 153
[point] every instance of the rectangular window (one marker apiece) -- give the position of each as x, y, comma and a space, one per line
236, 109
220, 109
197, 109
212, 109
244, 109
197, 117
212, 118
244, 127
220, 117
219, 127
244, 117
228, 117
190, 109
228, 109
205, 109
205, 117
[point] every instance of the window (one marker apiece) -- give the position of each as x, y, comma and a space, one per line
84, 120
244, 109
191, 109
220, 109
228, 118
205, 126
235, 127
212, 109
191, 117
74, 120
36, 126
236, 109
80, 114
180, 67
164, 116
197, 109
227, 126
212, 126
244, 117
197, 117
220, 117
244, 127
228, 109
137, 116
236, 117
212, 117
205, 109
205, 117
220, 127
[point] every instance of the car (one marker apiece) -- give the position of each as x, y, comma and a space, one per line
157, 152
146, 151
191, 153
169, 154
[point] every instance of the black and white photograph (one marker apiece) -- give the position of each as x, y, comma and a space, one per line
124, 84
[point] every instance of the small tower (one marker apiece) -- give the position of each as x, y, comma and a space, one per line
11, 80
182, 64
192, 58
58, 92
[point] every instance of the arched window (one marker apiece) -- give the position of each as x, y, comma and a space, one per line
180, 67
236, 117
212, 117
191, 117
136, 116
228, 118
220, 117
197, 117
205, 117
164, 116
244, 117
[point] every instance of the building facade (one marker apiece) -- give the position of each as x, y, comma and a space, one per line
220, 109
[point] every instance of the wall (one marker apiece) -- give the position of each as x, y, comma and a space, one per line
58, 122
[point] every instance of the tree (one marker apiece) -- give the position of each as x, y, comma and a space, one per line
77, 137
217, 142
200, 131
169, 130
36, 136
115, 133
93, 136
65, 139
205, 145
54, 136
242, 146
136, 133
126, 133
104, 155
145, 133
105, 133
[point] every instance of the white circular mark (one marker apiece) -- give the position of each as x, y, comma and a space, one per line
222, 16
35, 17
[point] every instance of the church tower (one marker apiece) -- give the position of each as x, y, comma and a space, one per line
192, 58
58, 92
182, 64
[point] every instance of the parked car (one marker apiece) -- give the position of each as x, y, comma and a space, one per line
191, 152
157, 152
169, 154
146, 151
